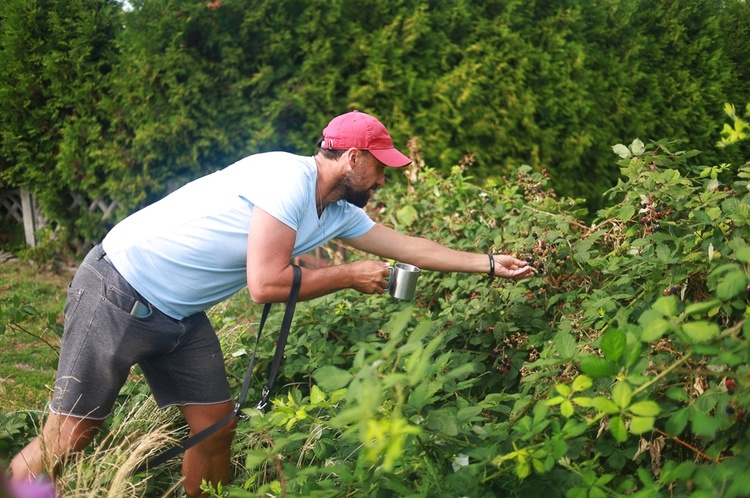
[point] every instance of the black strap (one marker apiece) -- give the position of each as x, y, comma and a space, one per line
286, 324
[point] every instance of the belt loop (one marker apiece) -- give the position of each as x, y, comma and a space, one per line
101, 252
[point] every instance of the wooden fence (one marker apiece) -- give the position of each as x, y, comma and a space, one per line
20, 206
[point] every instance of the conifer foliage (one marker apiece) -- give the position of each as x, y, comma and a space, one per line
118, 103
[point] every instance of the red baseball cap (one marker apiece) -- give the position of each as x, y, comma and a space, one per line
361, 131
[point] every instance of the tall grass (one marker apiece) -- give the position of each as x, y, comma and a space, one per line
139, 430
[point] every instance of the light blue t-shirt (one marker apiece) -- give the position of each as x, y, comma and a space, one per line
188, 251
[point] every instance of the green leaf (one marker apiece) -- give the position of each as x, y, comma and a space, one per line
523, 470
645, 408
704, 424
637, 147
666, 306
731, 284
407, 215
469, 414
449, 283
654, 326
663, 253
571, 429
581, 383
618, 429
604, 405
621, 151
605, 479
714, 213
563, 389
460, 372
639, 425
702, 217
423, 394
584, 402
597, 493
596, 366
633, 351
677, 422
254, 458
622, 393
316, 395
441, 423
699, 308
681, 472
654, 330
577, 493
701, 331
555, 401
626, 212
677, 394
588, 477
613, 344
743, 254
566, 408
565, 344
331, 378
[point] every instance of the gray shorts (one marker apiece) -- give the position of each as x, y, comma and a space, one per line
181, 359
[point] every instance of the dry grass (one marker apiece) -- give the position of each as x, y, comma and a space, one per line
106, 469
137, 429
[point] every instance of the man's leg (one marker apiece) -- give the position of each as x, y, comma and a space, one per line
209, 459
61, 436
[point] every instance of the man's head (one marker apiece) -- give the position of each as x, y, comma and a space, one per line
361, 131
360, 183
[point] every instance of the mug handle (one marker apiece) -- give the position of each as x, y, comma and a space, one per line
390, 277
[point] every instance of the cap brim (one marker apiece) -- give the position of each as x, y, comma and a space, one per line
390, 157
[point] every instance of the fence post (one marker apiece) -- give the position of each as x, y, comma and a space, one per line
29, 217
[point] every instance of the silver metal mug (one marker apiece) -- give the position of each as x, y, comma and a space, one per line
403, 283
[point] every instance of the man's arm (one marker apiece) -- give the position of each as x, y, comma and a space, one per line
429, 255
269, 272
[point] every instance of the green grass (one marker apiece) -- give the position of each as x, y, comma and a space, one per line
28, 343
136, 430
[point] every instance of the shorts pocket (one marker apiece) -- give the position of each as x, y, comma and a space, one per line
72, 301
119, 298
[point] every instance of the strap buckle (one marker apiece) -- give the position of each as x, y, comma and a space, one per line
264, 398
238, 412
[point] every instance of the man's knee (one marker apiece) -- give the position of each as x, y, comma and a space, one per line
63, 434
60, 436
221, 440
201, 417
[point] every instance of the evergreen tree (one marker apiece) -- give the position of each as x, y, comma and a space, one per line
56, 57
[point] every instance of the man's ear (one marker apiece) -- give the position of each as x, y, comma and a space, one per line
352, 156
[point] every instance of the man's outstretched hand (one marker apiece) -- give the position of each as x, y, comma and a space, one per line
510, 267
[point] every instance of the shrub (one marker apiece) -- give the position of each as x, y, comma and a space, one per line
619, 368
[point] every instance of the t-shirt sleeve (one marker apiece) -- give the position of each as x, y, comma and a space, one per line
354, 222
280, 191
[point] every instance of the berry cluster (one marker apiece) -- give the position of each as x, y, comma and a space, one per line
534, 186
672, 290
513, 345
501, 362
542, 254
652, 213
733, 408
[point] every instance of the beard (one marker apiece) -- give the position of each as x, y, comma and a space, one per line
359, 199
351, 194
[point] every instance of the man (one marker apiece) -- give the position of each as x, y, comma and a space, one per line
140, 296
